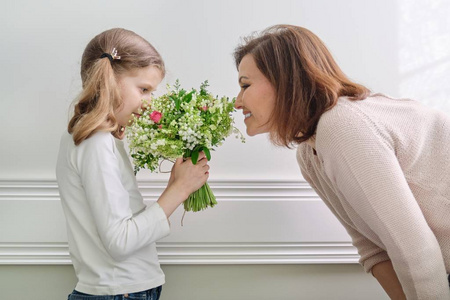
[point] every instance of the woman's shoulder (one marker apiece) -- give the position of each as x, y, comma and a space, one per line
348, 121
362, 114
343, 113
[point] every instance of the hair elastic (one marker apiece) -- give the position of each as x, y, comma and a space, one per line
111, 56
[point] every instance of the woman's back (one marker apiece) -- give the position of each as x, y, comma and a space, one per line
382, 168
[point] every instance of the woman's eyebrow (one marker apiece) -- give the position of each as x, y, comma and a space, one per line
242, 77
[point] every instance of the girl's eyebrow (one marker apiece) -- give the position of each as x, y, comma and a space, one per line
148, 85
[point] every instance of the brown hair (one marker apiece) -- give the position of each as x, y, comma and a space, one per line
100, 98
306, 79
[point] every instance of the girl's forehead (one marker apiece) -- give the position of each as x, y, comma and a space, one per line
150, 73
135, 72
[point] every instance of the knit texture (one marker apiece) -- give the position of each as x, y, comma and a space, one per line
383, 169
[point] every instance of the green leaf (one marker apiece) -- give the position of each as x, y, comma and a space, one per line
194, 156
207, 153
176, 100
188, 97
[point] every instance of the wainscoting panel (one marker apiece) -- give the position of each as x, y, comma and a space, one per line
255, 222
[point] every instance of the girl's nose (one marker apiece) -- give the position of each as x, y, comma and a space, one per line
144, 104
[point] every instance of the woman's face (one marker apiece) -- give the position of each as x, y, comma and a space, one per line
135, 86
256, 98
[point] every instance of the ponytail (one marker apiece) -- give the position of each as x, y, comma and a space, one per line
96, 104
100, 98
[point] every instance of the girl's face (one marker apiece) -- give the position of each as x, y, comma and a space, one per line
256, 98
136, 85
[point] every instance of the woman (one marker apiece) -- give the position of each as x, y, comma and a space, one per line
380, 164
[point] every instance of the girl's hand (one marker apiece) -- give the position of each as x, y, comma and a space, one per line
188, 177
185, 179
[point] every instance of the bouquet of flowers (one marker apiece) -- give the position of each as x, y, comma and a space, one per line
182, 123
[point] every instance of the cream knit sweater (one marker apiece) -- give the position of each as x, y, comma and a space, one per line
383, 168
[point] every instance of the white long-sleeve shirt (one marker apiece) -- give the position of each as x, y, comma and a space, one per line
383, 168
111, 232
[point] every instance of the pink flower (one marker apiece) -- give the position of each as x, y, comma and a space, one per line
159, 126
205, 108
156, 116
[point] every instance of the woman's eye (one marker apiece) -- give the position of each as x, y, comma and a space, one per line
144, 90
244, 86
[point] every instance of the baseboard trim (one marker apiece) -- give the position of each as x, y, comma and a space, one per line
32, 227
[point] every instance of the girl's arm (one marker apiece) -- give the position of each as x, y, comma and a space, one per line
386, 276
101, 179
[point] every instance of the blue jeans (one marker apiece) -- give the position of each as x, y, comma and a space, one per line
152, 294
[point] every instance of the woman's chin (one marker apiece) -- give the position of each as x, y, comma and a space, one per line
251, 132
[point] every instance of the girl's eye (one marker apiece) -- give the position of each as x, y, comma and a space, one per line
144, 90
244, 86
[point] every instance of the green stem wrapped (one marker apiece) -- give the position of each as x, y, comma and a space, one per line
200, 199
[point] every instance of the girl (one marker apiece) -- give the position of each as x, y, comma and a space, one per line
380, 164
111, 232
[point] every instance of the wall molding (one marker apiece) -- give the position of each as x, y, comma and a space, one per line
226, 190
197, 253
54, 251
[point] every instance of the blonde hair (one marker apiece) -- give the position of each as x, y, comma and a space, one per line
306, 78
100, 98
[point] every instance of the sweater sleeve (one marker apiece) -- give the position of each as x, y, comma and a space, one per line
364, 168
120, 232
370, 254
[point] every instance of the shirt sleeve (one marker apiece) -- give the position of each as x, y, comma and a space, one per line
366, 171
120, 232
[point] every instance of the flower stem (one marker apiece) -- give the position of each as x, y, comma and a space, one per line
200, 199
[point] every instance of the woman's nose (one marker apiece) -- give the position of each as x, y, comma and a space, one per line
238, 102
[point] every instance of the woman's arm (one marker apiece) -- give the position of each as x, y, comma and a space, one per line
362, 165
386, 276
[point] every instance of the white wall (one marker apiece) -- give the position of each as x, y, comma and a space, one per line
396, 47
267, 217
